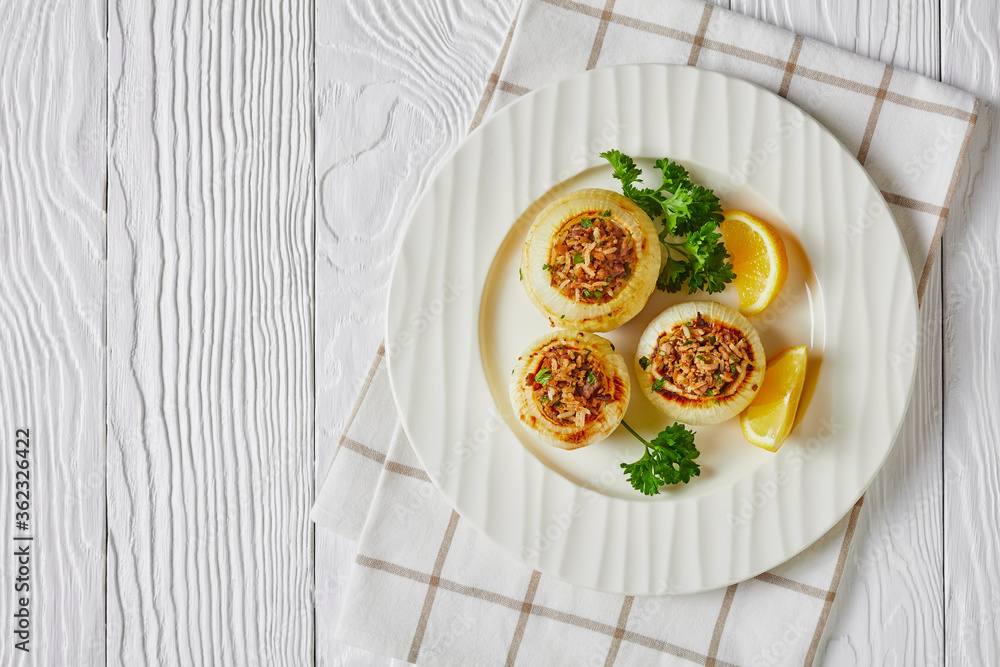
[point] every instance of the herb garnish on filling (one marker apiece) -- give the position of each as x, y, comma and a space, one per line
701, 359
592, 258
569, 386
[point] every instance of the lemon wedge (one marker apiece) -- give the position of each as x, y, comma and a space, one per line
768, 419
759, 259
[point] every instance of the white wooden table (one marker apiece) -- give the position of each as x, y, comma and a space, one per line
199, 203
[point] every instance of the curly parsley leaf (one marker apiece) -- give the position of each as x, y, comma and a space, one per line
626, 171
673, 274
669, 459
701, 262
675, 177
686, 210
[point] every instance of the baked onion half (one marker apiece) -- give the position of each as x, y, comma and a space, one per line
700, 362
590, 260
570, 388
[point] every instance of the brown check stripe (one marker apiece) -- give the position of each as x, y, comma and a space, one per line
699, 37
526, 607
838, 572
602, 29
761, 58
432, 586
616, 640
883, 88
943, 215
379, 457
536, 610
720, 625
494, 78
372, 370
522, 620
793, 58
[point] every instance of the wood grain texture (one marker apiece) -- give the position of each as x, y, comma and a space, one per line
210, 293
52, 263
971, 52
905, 33
397, 85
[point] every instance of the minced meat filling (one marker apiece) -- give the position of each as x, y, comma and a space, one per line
568, 385
701, 359
592, 258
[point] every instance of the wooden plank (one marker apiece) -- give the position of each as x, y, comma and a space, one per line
970, 53
210, 284
52, 236
397, 85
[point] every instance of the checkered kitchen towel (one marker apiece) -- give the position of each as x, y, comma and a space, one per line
426, 586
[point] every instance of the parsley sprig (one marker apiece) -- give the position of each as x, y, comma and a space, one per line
690, 213
669, 459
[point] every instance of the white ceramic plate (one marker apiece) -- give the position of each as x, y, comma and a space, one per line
458, 319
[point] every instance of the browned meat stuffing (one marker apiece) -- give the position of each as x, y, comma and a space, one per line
701, 359
592, 258
569, 386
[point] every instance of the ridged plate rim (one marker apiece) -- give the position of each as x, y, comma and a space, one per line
438, 382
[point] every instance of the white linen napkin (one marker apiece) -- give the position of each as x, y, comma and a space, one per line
426, 586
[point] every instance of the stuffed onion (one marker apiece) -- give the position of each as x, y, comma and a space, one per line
590, 260
700, 362
570, 388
